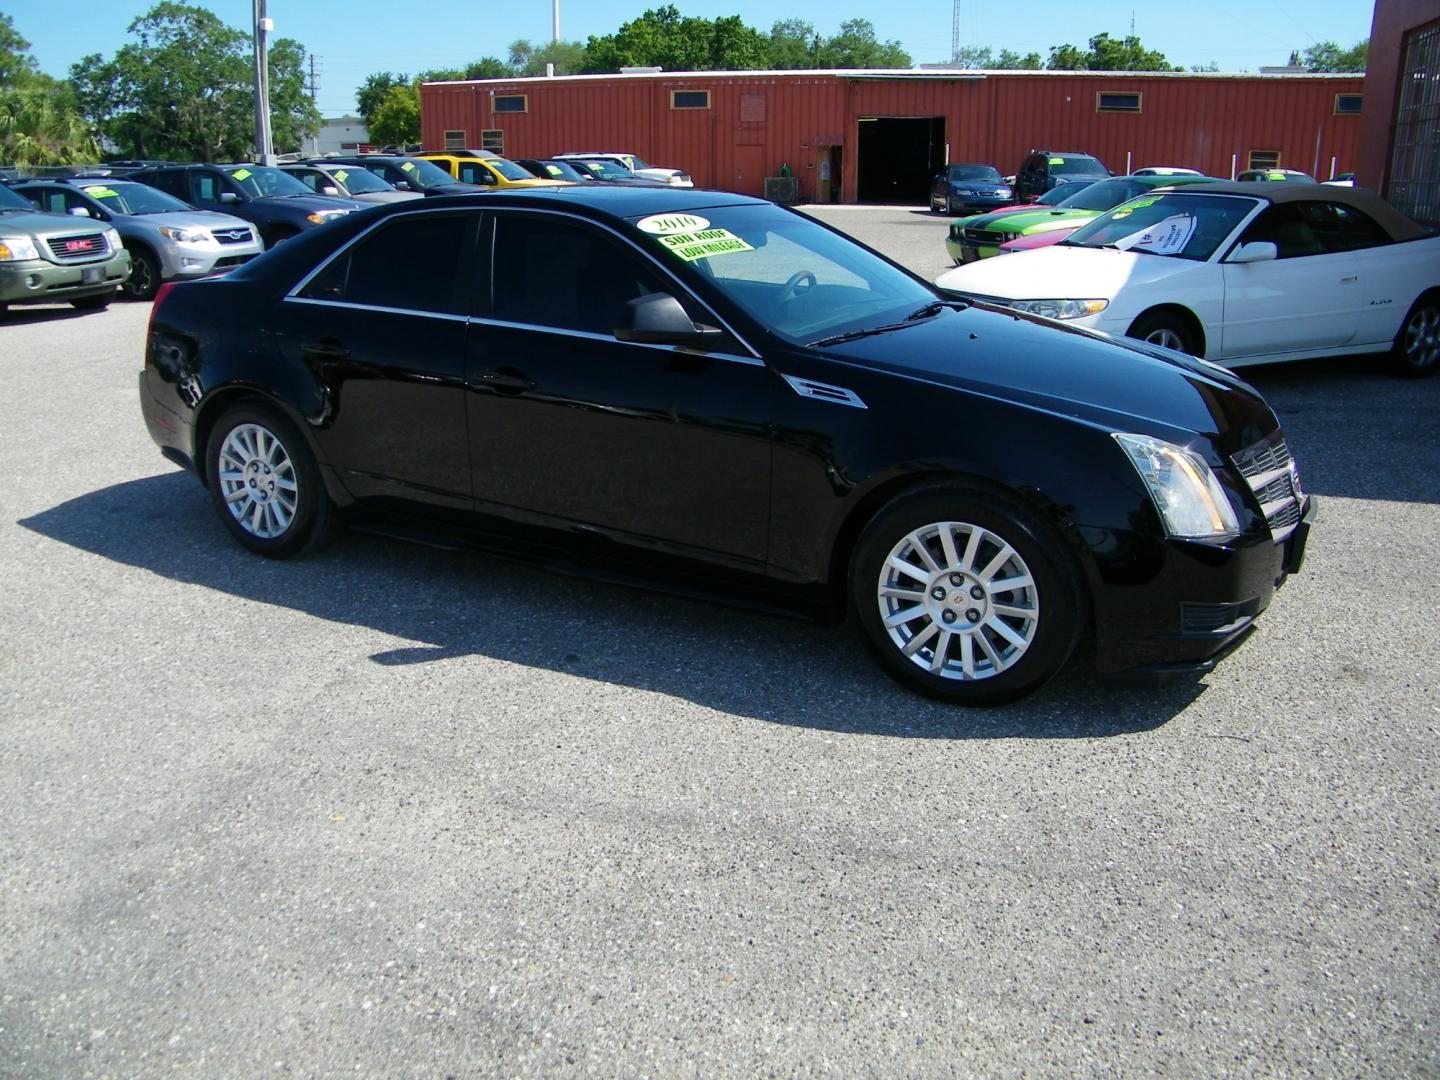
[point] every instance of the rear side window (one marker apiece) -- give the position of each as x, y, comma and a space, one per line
204, 187
1289, 228
413, 263
1342, 228
172, 182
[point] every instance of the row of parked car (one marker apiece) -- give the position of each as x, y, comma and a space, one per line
150, 222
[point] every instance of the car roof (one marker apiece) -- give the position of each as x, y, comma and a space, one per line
77, 181
606, 201
1386, 216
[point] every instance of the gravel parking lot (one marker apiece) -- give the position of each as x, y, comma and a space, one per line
392, 811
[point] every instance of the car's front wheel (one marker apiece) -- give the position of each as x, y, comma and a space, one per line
265, 483
966, 595
1167, 328
144, 279
1417, 346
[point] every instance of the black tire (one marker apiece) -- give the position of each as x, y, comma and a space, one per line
288, 511
1417, 346
1043, 612
94, 303
1167, 328
144, 280
277, 236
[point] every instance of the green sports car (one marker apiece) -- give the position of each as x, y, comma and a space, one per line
980, 237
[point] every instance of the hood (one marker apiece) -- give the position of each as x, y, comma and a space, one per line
1046, 217
1031, 241
373, 197
1060, 272
311, 203
188, 219
38, 223
1119, 385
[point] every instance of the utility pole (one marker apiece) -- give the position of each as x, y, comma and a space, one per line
314, 81
955, 33
554, 35
264, 145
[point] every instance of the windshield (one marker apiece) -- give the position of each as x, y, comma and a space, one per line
258, 180
790, 274
359, 181
1178, 226
1058, 194
1103, 194
423, 174
134, 199
558, 170
635, 162
975, 172
606, 170
1076, 165
509, 169
13, 201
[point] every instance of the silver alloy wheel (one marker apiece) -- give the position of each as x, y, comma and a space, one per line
1164, 336
257, 480
1422, 338
958, 601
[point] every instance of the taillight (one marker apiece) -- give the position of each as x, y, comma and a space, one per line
160, 295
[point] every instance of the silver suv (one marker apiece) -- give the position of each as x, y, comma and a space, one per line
166, 238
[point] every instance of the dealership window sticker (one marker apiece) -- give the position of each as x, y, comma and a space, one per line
704, 244
1167, 237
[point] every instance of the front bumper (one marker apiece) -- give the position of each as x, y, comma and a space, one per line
963, 252
36, 281
195, 260
1172, 608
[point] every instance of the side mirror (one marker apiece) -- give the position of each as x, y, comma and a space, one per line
401, 185
229, 197
658, 319
79, 211
1255, 251
329, 189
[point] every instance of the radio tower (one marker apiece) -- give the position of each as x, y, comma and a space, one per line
955, 33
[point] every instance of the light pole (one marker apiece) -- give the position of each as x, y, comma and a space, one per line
264, 148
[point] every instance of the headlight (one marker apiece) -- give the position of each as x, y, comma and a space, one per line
319, 217
112, 239
1005, 193
184, 236
17, 249
1191, 502
1061, 309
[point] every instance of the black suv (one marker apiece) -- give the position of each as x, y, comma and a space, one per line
1045, 169
273, 201
407, 174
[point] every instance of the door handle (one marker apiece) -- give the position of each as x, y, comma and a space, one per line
1347, 279
506, 380
328, 348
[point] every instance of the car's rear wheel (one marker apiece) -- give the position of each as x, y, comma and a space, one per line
94, 303
265, 482
966, 595
144, 279
1417, 346
278, 235
1166, 328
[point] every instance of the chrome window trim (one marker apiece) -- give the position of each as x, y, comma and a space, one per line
377, 307
293, 295
590, 335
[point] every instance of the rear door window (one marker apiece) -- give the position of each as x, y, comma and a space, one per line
414, 263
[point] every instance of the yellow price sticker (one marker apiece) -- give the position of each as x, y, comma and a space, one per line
242, 174
100, 192
1057, 161
408, 166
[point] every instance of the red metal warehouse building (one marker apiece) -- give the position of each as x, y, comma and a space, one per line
879, 136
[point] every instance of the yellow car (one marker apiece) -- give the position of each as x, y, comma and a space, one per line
491, 171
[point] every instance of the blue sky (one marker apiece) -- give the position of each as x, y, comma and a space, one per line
362, 36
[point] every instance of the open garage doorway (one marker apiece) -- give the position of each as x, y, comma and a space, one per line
898, 157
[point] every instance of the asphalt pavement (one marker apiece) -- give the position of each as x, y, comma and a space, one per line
389, 811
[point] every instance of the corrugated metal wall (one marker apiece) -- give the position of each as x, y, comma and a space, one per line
758, 121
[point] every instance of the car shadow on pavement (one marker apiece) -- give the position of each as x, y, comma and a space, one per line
456, 604
44, 313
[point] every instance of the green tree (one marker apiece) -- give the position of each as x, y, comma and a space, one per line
793, 45
1328, 56
978, 57
397, 117
1109, 54
664, 38
856, 46
183, 89
1013, 61
39, 120
373, 90
527, 58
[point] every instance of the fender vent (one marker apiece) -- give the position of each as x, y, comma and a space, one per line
836, 395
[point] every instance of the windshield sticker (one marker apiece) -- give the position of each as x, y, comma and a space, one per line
341, 175
1057, 161
1277, 175
701, 245
241, 174
100, 192
1139, 204
672, 224
408, 166
1167, 237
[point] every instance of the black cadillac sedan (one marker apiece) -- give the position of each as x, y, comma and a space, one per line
718, 396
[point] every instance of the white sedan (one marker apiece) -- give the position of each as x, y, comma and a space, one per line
1237, 274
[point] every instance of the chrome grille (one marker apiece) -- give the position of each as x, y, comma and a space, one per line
77, 248
1270, 471
231, 236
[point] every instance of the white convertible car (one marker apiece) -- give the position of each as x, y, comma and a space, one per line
1238, 274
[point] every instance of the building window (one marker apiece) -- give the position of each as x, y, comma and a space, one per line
1413, 183
689, 99
511, 103
1264, 159
1116, 102
1348, 104
454, 140
493, 140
